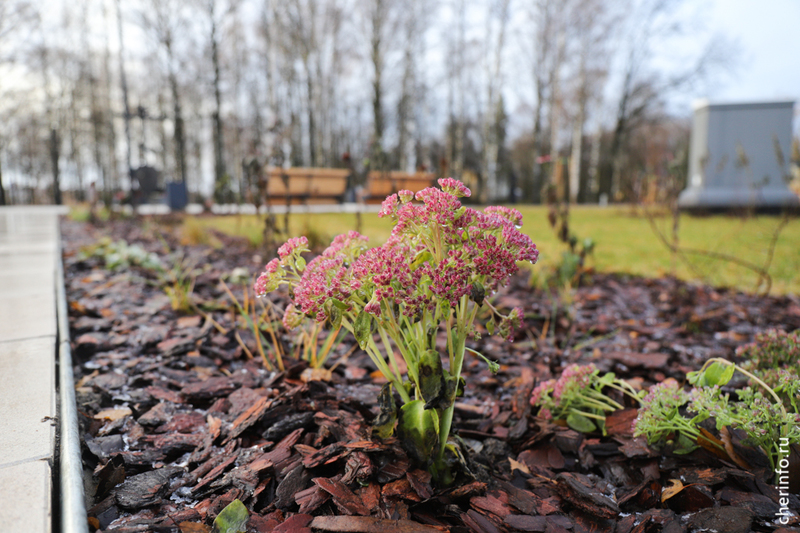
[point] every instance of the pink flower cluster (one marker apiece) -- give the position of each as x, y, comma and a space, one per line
664, 397
575, 377
437, 251
508, 213
549, 394
269, 279
454, 187
327, 275
297, 243
511, 323
543, 388
388, 269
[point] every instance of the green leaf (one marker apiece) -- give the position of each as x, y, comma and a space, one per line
300, 264
578, 422
455, 389
362, 329
421, 257
490, 326
383, 426
685, 445
232, 519
718, 374
431, 379
340, 304
417, 431
607, 379
335, 317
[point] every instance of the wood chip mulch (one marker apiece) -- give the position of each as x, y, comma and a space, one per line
177, 421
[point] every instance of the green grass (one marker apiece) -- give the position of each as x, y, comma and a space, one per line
624, 241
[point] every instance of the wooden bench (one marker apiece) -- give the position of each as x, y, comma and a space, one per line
306, 185
382, 184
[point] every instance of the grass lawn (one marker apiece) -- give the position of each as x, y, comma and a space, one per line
624, 241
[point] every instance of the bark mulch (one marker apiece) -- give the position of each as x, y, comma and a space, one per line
177, 421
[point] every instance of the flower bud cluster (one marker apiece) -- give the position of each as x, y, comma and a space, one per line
658, 409
438, 250
557, 397
771, 351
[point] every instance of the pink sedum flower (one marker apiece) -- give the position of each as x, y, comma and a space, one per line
269, 279
389, 206
405, 196
289, 247
574, 377
454, 187
510, 214
541, 389
292, 317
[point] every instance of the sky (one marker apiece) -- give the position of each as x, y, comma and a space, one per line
768, 37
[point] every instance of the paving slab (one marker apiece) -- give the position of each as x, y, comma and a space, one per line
25, 497
27, 316
37, 279
29, 257
27, 382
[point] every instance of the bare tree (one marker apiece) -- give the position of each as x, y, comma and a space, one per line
590, 26
163, 19
643, 87
499, 11
219, 143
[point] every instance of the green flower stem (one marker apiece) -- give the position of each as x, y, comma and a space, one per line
587, 415
374, 353
464, 318
390, 354
599, 397
598, 404
394, 377
629, 391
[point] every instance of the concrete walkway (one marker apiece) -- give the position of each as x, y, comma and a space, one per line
29, 255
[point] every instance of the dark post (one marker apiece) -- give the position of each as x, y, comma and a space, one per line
2, 190
54, 160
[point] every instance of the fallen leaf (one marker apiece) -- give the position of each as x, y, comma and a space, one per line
674, 488
516, 465
315, 374
193, 527
113, 414
232, 519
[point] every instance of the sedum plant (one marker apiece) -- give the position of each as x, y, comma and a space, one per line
437, 269
759, 411
577, 397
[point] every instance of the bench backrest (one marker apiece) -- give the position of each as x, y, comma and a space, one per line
311, 183
382, 184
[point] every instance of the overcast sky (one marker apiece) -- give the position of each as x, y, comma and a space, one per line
768, 35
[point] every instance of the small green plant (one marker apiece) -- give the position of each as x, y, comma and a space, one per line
759, 412
661, 418
767, 413
178, 284
117, 255
578, 397
439, 267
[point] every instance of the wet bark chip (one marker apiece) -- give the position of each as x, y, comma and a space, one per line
728, 519
144, 489
578, 491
